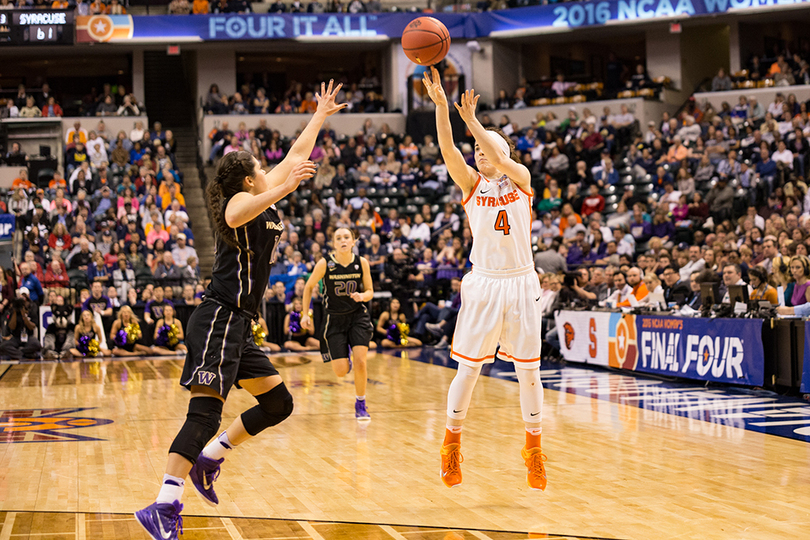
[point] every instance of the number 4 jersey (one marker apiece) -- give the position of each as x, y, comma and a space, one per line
500, 216
340, 282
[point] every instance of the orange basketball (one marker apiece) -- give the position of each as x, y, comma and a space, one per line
426, 41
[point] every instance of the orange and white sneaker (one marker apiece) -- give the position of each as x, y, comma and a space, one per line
534, 459
451, 464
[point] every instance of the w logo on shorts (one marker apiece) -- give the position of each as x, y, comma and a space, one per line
205, 377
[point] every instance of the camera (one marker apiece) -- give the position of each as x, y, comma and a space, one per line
570, 279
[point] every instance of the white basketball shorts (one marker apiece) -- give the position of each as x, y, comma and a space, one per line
499, 308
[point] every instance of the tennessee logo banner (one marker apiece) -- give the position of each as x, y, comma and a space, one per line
623, 346
103, 28
45, 425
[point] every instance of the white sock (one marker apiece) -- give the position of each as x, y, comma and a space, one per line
219, 447
531, 395
534, 431
461, 390
361, 398
171, 490
454, 429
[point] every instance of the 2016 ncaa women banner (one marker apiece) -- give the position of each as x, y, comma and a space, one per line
529, 20
720, 350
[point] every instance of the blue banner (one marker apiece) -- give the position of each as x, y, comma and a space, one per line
286, 26
529, 20
719, 350
805, 388
7, 223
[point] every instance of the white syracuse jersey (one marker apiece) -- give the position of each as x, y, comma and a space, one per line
500, 217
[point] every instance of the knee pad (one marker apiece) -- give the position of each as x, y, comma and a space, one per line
202, 424
273, 408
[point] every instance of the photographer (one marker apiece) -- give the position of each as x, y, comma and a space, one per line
58, 339
399, 277
593, 291
19, 329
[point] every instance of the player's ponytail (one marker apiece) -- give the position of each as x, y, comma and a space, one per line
231, 173
509, 141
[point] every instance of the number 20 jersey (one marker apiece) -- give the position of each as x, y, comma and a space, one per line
500, 217
339, 284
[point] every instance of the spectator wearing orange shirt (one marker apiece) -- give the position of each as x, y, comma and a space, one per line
639, 288
309, 105
77, 129
174, 193
200, 7
58, 181
568, 220
22, 181
57, 4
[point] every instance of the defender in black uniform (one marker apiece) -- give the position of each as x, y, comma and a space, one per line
221, 349
348, 286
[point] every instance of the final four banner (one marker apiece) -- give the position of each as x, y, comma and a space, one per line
327, 26
7, 223
720, 350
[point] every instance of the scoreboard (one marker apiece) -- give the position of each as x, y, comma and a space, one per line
32, 27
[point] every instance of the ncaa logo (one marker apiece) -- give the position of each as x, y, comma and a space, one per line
568, 334
331, 264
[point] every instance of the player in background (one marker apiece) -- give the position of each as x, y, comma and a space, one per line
500, 297
348, 329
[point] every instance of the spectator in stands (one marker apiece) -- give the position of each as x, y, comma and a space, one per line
51, 108
639, 79
107, 107
179, 7
200, 7
32, 285
182, 252
721, 81
30, 110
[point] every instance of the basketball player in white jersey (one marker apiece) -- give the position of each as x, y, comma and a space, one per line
500, 297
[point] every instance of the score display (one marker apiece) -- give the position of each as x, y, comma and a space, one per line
46, 27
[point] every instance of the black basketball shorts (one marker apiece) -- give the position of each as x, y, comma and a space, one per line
221, 350
344, 330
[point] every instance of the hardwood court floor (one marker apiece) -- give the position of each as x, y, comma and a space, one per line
615, 471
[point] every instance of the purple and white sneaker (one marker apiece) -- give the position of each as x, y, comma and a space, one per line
360, 411
162, 521
203, 475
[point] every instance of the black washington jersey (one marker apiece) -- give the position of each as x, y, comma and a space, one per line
340, 282
241, 274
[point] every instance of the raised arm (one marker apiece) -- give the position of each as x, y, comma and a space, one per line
317, 275
245, 207
517, 172
461, 173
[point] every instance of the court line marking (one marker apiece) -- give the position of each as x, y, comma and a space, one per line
394, 534
310, 530
480, 535
8, 524
81, 527
231, 528
306, 525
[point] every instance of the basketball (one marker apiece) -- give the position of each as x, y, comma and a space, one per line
426, 41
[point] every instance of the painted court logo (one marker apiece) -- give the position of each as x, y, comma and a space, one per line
568, 334
45, 425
